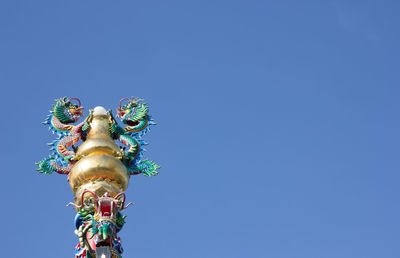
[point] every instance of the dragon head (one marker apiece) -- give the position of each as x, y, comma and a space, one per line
67, 111
106, 214
132, 112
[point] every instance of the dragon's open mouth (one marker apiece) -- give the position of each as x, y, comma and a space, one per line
132, 123
78, 112
106, 208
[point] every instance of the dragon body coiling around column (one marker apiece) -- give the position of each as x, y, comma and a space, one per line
64, 113
135, 115
98, 168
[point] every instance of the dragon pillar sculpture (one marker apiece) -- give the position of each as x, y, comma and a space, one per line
98, 169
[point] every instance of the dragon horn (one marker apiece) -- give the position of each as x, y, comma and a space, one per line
76, 100
87, 191
120, 102
121, 195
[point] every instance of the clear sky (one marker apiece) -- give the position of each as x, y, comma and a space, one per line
278, 123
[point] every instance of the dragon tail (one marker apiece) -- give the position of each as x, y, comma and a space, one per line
49, 166
145, 167
45, 166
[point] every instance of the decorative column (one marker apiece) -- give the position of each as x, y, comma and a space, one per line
98, 169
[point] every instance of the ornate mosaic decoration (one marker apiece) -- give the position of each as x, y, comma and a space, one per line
98, 168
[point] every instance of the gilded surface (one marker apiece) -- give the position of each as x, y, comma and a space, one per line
98, 160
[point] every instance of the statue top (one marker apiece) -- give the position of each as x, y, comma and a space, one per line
66, 111
98, 169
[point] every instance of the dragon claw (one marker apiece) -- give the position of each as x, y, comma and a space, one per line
76, 157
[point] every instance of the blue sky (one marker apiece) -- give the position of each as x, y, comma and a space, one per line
278, 129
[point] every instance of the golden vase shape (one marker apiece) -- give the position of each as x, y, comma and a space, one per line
99, 170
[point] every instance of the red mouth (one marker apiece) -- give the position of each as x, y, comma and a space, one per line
78, 112
132, 123
106, 207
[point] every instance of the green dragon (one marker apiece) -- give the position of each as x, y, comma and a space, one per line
135, 115
63, 114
